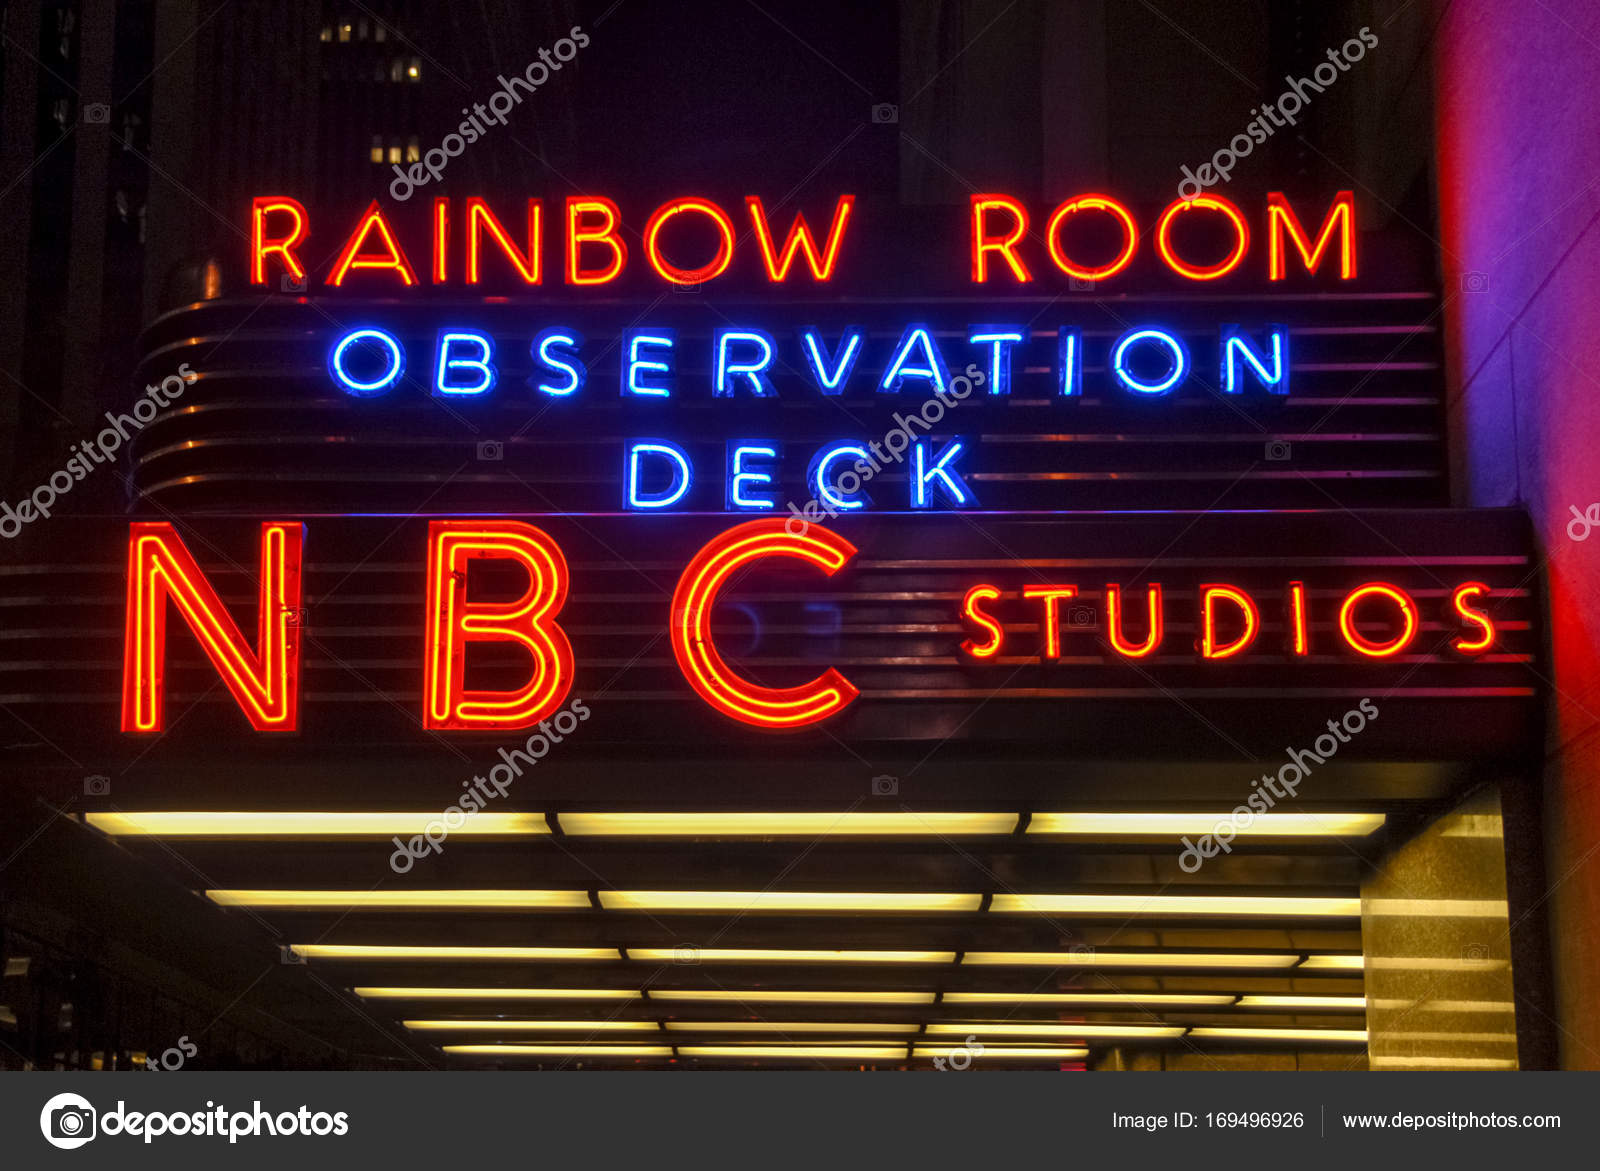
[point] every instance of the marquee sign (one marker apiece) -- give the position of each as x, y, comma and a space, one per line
797, 510
1020, 627
797, 398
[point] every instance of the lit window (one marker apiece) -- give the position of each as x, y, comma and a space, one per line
344, 34
394, 153
327, 34
379, 33
415, 72
376, 154
413, 150
395, 68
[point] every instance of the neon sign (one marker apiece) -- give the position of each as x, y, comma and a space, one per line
1374, 622
1000, 239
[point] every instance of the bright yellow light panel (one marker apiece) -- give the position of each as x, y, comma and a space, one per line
401, 900
1265, 825
784, 955
1331, 1003
1332, 963
1220, 906
765, 901
494, 1026
789, 1027
1090, 958
775, 825
764, 996
562, 1050
1155, 999
1004, 1053
308, 824
1341, 1036
805, 1052
984, 1029
395, 992
372, 951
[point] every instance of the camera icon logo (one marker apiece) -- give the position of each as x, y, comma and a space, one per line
97, 113
97, 786
885, 786
885, 113
1474, 282
491, 450
1278, 450
686, 953
1078, 285
288, 284
67, 1121
1475, 953
288, 955
1082, 617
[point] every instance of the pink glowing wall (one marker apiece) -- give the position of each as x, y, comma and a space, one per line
1517, 107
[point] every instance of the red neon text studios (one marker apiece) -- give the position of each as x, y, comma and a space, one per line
691, 239
1374, 620
1063, 622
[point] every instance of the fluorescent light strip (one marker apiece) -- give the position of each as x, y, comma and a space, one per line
983, 1029
1090, 958
402, 900
762, 996
1173, 825
1331, 963
1159, 999
765, 901
371, 951
1333, 1003
773, 825
1342, 1036
1005, 1053
496, 1026
391, 992
562, 1050
789, 1027
761, 955
1284, 906
808, 1052
309, 824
